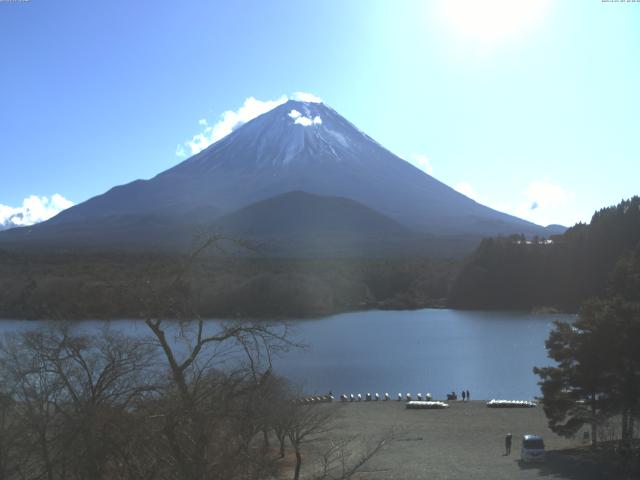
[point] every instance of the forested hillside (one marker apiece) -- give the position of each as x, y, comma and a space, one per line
101, 286
587, 261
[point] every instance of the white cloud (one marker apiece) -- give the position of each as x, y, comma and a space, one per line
304, 121
541, 201
422, 162
305, 97
545, 203
180, 151
545, 194
466, 189
229, 121
232, 119
34, 209
300, 119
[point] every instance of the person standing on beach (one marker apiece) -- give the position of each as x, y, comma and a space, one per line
507, 444
463, 396
468, 395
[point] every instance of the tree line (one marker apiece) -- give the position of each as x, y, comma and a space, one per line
587, 261
78, 286
595, 382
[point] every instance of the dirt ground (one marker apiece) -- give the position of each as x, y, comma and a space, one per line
465, 441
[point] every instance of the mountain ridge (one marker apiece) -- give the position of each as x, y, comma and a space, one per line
297, 146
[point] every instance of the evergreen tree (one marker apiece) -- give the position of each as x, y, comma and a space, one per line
510, 272
598, 369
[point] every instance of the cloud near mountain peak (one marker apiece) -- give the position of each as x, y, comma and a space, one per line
232, 119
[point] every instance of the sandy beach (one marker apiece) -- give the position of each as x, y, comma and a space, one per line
465, 441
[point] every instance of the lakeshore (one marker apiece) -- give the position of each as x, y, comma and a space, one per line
465, 441
491, 354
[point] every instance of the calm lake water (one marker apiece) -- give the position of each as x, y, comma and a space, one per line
489, 353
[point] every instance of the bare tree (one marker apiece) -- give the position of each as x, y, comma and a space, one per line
278, 403
12, 456
346, 457
306, 423
73, 397
211, 409
35, 393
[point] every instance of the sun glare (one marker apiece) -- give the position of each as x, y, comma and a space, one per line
492, 21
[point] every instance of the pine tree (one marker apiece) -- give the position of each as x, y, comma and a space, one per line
598, 369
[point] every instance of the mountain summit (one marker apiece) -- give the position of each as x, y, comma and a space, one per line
296, 147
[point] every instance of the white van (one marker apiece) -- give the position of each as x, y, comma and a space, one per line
532, 448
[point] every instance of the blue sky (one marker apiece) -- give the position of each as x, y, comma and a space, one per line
530, 107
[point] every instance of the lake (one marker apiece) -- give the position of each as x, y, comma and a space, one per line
432, 350
489, 353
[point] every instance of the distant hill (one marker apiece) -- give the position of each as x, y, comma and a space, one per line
301, 213
296, 147
306, 224
587, 261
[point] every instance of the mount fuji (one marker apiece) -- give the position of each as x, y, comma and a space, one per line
299, 176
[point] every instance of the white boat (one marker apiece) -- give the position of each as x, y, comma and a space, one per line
510, 404
424, 405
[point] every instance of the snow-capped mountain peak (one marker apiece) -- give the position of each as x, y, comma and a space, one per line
307, 147
294, 132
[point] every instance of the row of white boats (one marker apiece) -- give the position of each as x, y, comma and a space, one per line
422, 401
386, 397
